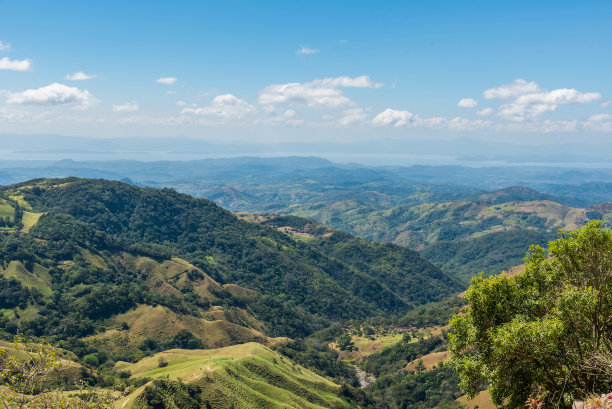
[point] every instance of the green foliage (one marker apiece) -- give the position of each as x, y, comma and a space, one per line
345, 342
328, 279
396, 357
27, 371
490, 253
165, 394
318, 357
183, 339
437, 388
538, 332
13, 294
429, 315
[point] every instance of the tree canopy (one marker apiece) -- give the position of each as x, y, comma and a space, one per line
545, 332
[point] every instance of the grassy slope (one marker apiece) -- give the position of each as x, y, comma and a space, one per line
38, 279
216, 325
246, 376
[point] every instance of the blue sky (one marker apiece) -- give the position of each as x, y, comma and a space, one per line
288, 70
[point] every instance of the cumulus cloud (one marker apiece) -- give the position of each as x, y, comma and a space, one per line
511, 90
296, 93
393, 117
127, 107
600, 117
275, 118
15, 65
166, 80
354, 116
520, 112
4, 46
599, 122
79, 76
307, 51
467, 103
485, 111
408, 119
224, 106
54, 94
319, 93
558, 96
363, 81
529, 100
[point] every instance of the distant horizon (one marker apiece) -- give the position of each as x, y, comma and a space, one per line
391, 152
524, 72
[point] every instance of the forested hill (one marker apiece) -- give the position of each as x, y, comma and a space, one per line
319, 280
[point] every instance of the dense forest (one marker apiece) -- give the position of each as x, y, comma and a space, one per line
128, 284
101, 268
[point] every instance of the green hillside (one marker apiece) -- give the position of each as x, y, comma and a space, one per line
300, 274
242, 376
65, 280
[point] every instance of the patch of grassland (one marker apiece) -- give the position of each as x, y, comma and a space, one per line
94, 259
6, 211
17, 270
161, 323
429, 360
29, 219
19, 198
240, 376
367, 345
481, 401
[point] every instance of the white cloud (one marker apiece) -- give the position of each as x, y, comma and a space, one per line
606, 104
79, 76
599, 122
408, 119
275, 118
511, 90
296, 93
363, 81
558, 96
166, 80
393, 117
127, 107
520, 112
600, 117
319, 93
467, 103
15, 65
485, 111
54, 94
4, 46
353, 117
181, 103
463, 124
529, 100
225, 106
19, 115
307, 51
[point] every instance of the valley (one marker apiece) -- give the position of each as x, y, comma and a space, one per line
327, 303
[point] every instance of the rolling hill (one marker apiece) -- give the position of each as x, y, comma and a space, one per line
124, 269
241, 376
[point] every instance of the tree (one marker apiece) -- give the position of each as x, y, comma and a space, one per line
345, 342
26, 372
541, 333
